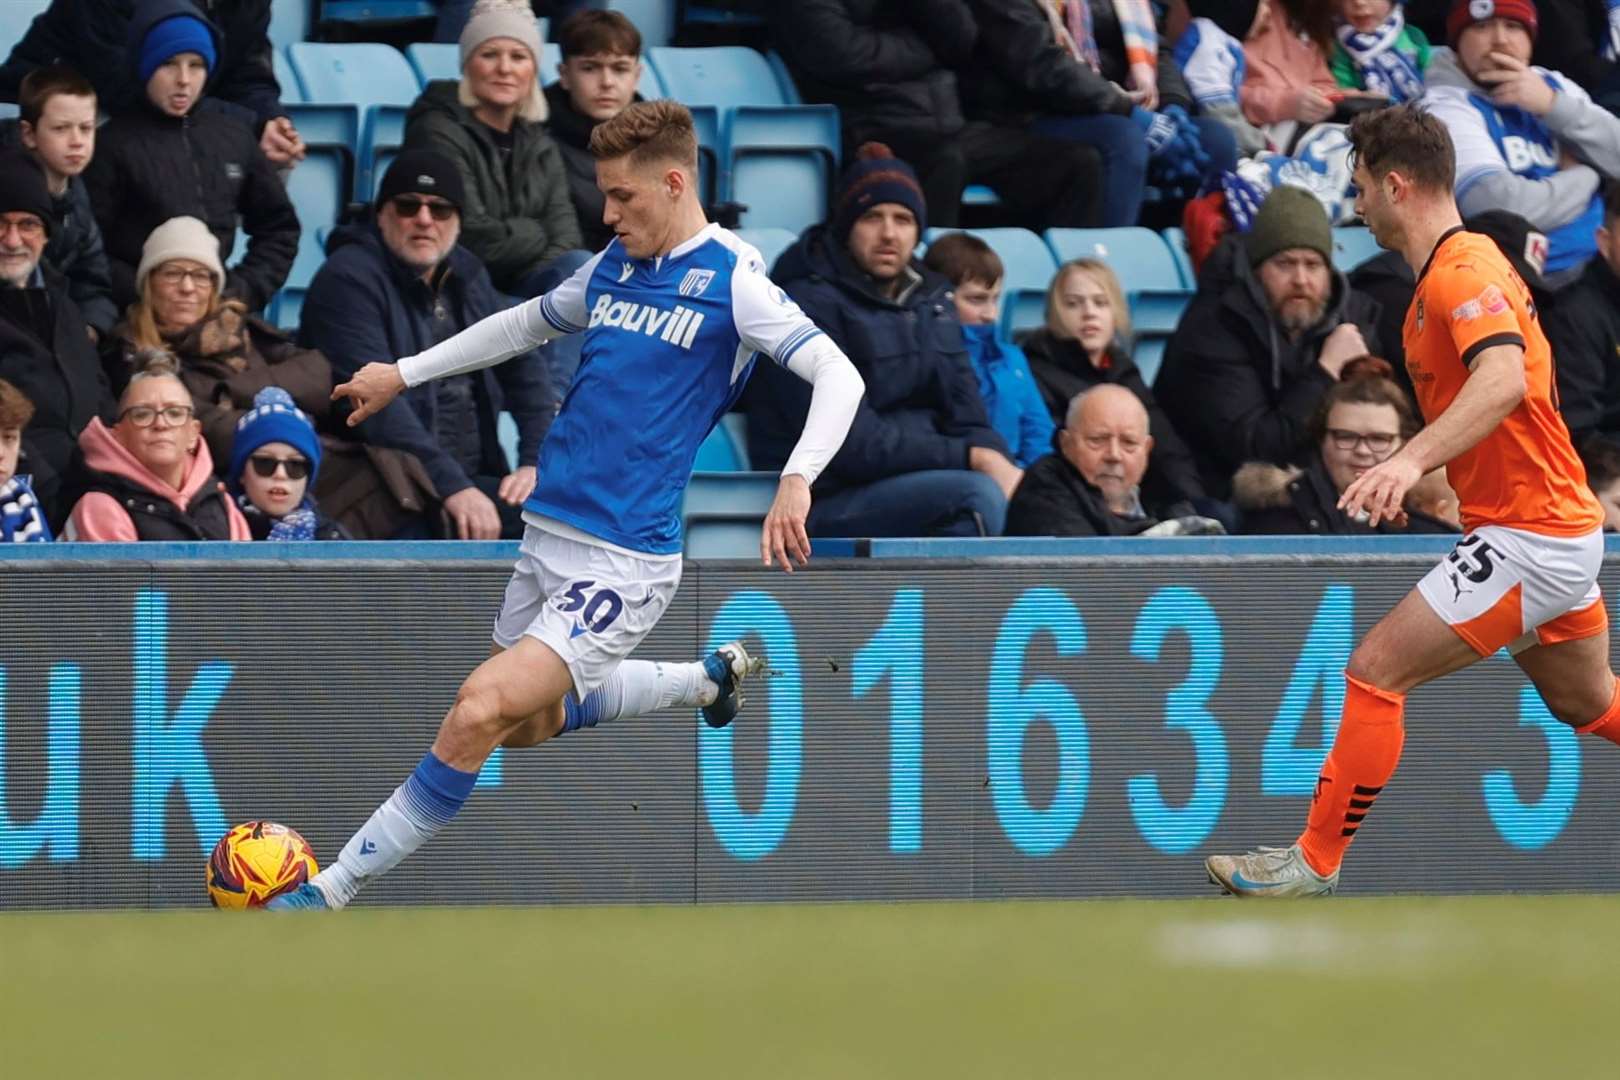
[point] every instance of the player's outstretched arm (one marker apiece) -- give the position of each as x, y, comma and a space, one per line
1495, 386
370, 390
836, 389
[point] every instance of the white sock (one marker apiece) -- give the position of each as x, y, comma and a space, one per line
638, 687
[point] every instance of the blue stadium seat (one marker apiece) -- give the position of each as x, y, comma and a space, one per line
289, 22
381, 143
784, 78
1352, 246
782, 162
286, 80
723, 536
770, 242
980, 195
1139, 257
319, 188
15, 18
550, 57
650, 86
432, 60
1148, 355
654, 18
378, 11
1029, 266
725, 450
506, 430
366, 75
722, 513
722, 76
1158, 311
1176, 240
9, 111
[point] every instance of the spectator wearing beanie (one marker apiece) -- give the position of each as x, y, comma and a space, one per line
226, 355
164, 157
45, 349
921, 458
149, 475
1528, 140
92, 37
1270, 329
891, 69
517, 215
274, 461
400, 284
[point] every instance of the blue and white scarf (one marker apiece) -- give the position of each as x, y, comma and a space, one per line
1320, 164
1384, 68
296, 524
21, 520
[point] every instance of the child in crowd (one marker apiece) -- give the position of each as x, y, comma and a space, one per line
57, 126
274, 461
21, 520
1012, 401
1375, 50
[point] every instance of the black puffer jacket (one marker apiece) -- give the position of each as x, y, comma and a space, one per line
1279, 501
922, 408
1583, 326
150, 167
1232, 384
91, 36
1053, 499
45, 353
886, 64
1062, 370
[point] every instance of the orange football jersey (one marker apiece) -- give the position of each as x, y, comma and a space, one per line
1523, 474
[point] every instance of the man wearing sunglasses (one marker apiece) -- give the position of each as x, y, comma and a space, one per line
675, 311
402, 285
45, 349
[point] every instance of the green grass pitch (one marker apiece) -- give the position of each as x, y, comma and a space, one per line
1404, 987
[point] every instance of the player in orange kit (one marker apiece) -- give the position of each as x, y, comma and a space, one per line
1524, 575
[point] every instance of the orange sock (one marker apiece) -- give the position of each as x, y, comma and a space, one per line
1363, 758
1606, 726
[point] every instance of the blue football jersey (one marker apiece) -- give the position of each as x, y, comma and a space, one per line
669, 343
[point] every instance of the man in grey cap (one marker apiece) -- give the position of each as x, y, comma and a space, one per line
401, 285
1272, 326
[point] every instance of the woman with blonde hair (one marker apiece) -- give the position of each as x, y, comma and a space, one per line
225, 355
1086, 343
150, 476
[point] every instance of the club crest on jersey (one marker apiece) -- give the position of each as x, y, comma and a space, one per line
695, 282
678, 327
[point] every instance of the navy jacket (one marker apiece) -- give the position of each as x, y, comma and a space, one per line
922, 408
92, 37
365, 305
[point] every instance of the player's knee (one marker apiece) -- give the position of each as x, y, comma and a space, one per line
477, 714
1576, 706
543, 725
1371, 665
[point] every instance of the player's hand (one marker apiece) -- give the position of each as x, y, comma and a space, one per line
1380, 492
281, 142
371, 389
1513, 82
783, 538
997, 467
1142, 82
1343, 345
474, 514
1311, 106
517, 485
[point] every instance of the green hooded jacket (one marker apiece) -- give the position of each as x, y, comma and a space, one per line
517, 216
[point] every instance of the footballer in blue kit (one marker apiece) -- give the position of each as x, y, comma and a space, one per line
674, 311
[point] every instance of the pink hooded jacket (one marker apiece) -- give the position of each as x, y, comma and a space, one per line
1281, 63
98, 516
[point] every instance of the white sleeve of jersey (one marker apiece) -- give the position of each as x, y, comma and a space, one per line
1477, 153
767, 319
505, 334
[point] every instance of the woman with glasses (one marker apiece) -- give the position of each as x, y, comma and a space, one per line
226, 356
150, 476
272, 471
1362, 420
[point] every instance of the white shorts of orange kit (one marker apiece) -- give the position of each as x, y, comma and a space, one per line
1508, 588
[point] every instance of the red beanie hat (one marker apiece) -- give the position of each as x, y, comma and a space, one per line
1465, 13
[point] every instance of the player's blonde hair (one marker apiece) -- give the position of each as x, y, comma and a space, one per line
648, 132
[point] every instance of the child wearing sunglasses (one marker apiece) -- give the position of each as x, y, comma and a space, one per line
272, 473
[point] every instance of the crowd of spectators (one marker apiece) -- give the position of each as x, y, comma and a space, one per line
145, 225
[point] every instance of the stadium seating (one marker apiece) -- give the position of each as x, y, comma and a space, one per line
1148, 354
433, 60
654, 18
1352, 246
1029, 267
722, 513
726, 448
378, 11
784, 78
1176, 240
377, 79
289, 22
15, 18
770, 242
1146, 267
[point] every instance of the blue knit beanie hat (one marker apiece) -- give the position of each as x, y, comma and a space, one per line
273, 418
877, 176
173, 36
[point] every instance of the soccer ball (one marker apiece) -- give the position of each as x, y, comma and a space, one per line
257, 861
